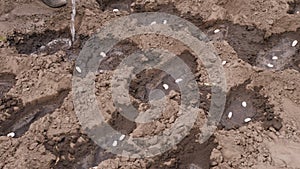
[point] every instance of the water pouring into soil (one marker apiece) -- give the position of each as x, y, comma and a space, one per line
72, 27
60, 42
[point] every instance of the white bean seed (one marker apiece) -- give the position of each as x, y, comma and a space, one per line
166, 87
122, 137
115, 143
153, 23
12, 135
178, 80
244, 104
78, 69
295, 42
103, 54
247, 120
229, 115
115, 10
270, 65
217, 31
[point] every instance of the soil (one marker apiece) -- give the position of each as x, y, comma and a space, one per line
259, 126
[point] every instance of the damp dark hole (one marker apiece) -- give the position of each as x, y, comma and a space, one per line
257, 108
47, 42
254, 48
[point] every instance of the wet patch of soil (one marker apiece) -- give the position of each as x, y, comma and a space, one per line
188, 154
115, 4
47, 42
17, 118
281, 46
7, 81
30, 43
121, 124
149, 80
275, 52
247, 41
115, 56
169, 8
294, 7
246, 105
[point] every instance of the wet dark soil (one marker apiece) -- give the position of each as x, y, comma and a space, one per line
117, 54
149, 80
169, 8
294, 7
31, 43
18, 118
123, 5
188, 154
257, 108
254, 48
121, 124
47, 42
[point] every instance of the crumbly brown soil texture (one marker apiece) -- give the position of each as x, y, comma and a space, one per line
262, 69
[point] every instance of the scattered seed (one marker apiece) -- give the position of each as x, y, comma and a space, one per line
115, 10
244, 104
165, 22
295, 42
153, 23
103, 54
274, 58
224, 62
166, 87
78, 69
297, 12
229, 115
247, 120
122, 137
270, 65
209, 84
178, 80
12, 135
217, 31
115, 143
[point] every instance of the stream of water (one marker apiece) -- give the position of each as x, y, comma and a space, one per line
61, 43
73, 15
